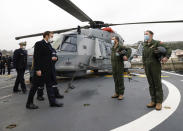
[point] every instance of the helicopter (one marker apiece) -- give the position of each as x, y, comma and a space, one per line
85, 47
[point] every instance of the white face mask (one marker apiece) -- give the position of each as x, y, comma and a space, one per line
50, 40
112, 42
23, 47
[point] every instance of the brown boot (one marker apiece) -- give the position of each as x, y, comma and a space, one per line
115, 96
120, 97
151, 104
158, 106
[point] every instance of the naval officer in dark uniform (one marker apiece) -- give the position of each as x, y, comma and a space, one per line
8, 63
3, 63
43, 71
20, 64
0, 63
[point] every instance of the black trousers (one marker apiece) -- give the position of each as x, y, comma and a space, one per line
9, 70
40, 91
20, 80
34, 88
2, 70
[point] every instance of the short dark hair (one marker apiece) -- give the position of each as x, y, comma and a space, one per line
117, 38
150, 32
47, 33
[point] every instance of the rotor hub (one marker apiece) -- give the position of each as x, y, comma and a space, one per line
97, 24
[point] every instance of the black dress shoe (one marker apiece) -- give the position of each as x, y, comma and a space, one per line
57, 105
31, 106
40, 98
16, 91
24, 91
58, 96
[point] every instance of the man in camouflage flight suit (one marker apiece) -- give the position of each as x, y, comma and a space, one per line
119, 54
152, 66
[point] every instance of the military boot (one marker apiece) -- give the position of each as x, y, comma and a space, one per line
115, 96
158, 106
120, 97
151, 104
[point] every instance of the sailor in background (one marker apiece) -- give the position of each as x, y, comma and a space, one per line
8, 63
3, 65
20, 64
0, 63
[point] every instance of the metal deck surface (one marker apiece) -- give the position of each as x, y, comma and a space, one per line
89, 107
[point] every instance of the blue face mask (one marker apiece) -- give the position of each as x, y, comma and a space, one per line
146, 37
112, 42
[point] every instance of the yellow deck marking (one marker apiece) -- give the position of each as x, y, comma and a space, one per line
141, 76
124, 76
165, 76
108, 75
6, 76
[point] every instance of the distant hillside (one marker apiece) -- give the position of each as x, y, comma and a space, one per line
6, 52
172, 44
175, 45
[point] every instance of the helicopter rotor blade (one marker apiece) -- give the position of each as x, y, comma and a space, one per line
150, 22
72, 9
56, 31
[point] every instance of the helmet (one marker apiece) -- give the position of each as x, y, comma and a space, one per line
160, 52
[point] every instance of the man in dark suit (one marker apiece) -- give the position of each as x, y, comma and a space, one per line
54, 85
20, 64
43, 71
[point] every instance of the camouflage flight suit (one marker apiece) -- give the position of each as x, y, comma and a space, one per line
153, 69
118, 67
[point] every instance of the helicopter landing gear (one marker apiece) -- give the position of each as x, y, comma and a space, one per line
70, 84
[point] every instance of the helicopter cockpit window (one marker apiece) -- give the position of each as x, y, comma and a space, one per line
69, 44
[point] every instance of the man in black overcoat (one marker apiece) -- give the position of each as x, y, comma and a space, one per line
43, 71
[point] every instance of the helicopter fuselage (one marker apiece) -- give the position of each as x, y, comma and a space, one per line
78, 52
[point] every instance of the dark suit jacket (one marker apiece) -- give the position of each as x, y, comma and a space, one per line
43, 62
20, 58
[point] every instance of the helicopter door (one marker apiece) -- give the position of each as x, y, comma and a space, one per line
106, 55
98, 53
102, 53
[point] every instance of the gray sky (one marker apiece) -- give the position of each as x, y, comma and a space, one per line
22, 17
